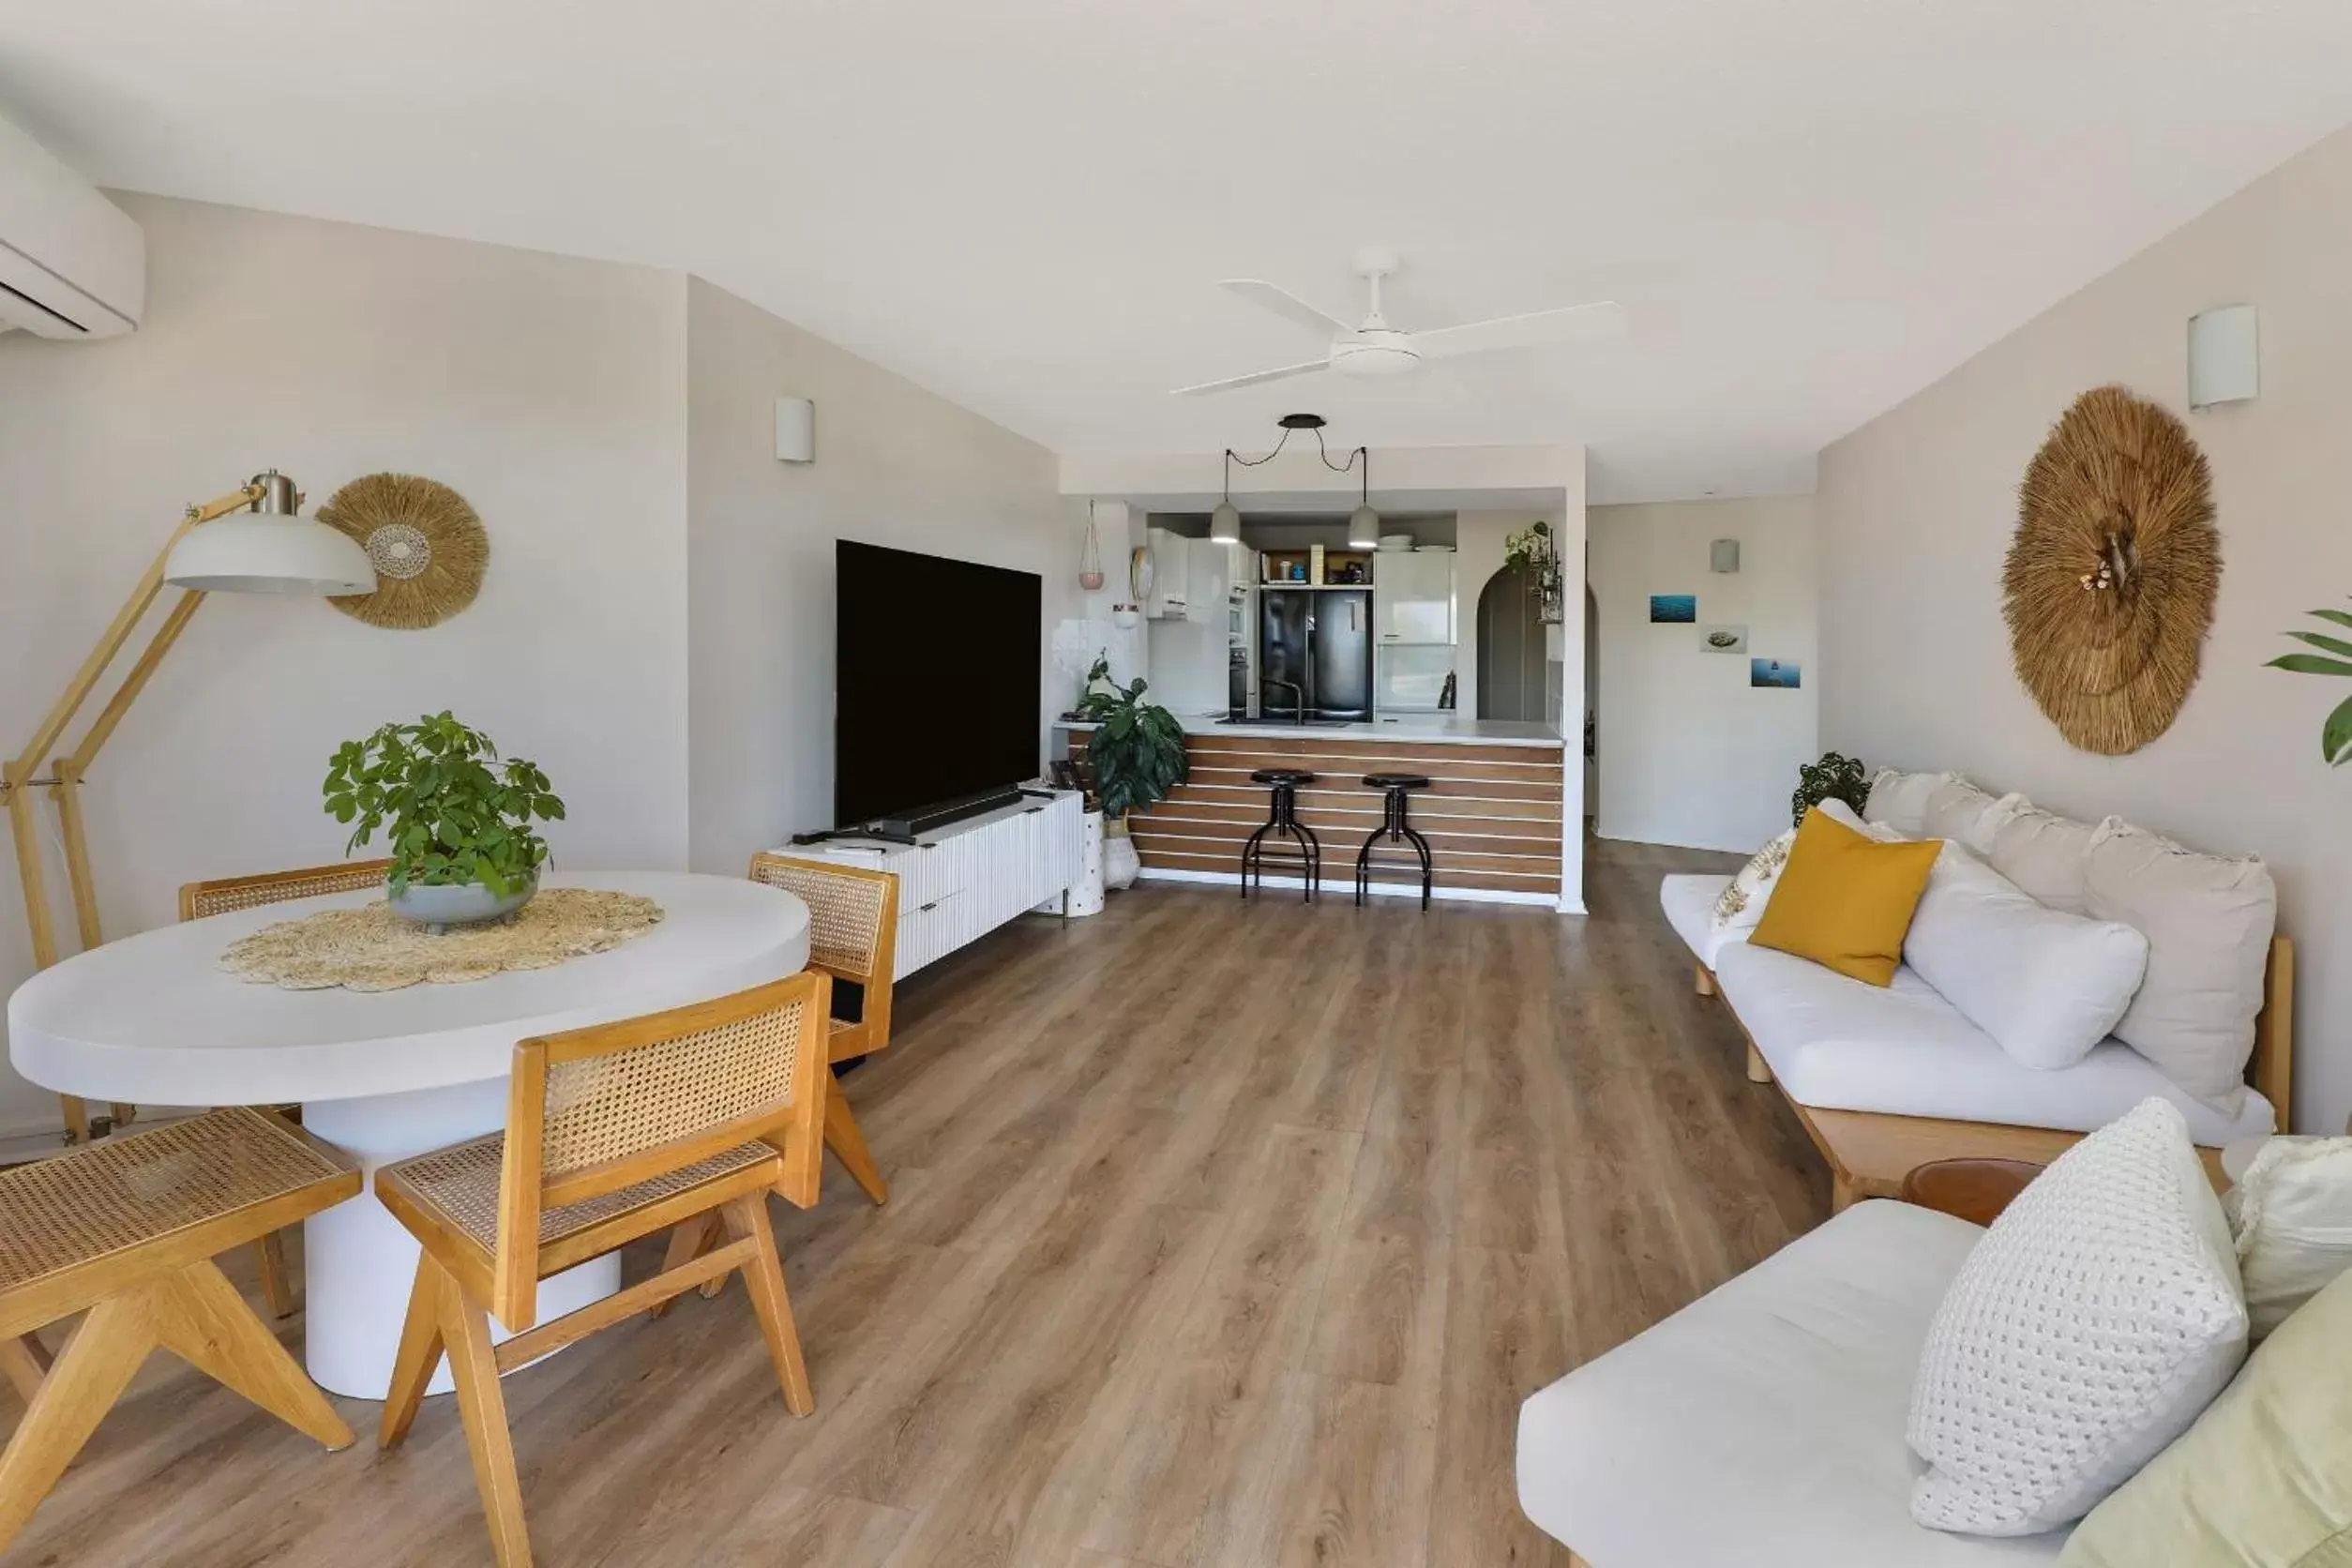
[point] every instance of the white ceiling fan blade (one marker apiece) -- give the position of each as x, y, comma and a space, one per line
1573, 324
1282, 302
1231, 382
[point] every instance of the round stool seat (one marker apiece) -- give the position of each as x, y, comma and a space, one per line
1281, 776
1396, 782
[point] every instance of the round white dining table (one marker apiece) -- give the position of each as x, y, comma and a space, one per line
152, 1019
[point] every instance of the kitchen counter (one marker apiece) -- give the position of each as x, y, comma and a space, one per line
1442, 729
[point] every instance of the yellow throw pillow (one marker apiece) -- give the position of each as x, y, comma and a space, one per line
1845, 901
2262, 1479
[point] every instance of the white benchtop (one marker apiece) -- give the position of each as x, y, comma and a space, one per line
1453, 729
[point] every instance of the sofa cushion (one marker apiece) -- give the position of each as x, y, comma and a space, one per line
2208, 921
2096, 1318
1844, 900
1741, 905
1900, 799
2047, 855
1968, 815
1689, 902
2292, 1213
2046, 985
1835, 1043
1763, 1424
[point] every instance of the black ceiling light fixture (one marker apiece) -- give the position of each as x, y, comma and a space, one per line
1363, 523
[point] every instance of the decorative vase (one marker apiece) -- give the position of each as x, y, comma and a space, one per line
1120, 864
437, 908
1086, 893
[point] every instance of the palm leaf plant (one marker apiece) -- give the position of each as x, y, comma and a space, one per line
2333, 659
1137, 751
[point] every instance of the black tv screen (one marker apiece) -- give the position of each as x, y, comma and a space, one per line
937, 679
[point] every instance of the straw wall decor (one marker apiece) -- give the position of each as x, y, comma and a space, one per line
427, 546
2111, 578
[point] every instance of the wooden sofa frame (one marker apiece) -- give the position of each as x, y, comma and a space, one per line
1869, 1152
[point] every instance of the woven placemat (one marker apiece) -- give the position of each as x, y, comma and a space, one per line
372, 949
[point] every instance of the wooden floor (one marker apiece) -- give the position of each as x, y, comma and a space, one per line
1222, 1234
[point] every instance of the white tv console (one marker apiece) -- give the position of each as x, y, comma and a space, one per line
963, 881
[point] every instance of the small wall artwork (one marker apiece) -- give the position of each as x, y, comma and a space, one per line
1775, 672
1674, 609
1725, 639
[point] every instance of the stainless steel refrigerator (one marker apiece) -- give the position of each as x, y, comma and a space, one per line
1314, 651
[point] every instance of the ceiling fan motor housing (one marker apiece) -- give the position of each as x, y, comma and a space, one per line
1374, 352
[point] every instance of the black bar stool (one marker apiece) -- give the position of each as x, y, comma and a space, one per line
1283, 817
1393, 829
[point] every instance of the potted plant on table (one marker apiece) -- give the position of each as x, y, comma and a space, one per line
1136, 753
460, 818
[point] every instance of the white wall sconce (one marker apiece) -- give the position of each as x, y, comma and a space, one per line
1724, 557
795, 430
2225, 356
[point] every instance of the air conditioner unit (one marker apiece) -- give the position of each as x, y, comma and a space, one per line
72, 263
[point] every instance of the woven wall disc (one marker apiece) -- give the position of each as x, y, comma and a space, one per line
2110, 581
427, 546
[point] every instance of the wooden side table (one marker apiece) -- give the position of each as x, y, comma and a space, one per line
1974, 1190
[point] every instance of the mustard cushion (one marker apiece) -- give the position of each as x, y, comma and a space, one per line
1844, 900
2262, 1479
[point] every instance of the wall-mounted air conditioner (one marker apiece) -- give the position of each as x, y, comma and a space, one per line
72, 263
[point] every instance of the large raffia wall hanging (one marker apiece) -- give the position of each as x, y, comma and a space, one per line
427, 546
2110, 584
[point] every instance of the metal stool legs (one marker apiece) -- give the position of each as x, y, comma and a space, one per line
1283, 819
1395, 829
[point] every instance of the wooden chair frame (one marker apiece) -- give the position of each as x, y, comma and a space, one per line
164, 1290
458, 1286
1870, 1153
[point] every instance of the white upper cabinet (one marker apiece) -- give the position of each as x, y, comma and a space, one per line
1412, 596
1171, 576
1210, 575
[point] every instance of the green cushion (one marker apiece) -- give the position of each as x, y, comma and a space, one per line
2262, 1479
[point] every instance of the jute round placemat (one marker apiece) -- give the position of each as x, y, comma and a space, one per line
372, 949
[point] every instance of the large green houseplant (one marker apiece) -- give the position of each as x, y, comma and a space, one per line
456, 818
1136, 755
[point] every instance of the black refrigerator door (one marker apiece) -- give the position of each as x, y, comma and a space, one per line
1341, 635
1282, 673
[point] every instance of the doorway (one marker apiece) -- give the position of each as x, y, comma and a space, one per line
1591, 706
1511, 679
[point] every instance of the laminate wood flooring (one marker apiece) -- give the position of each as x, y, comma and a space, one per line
1221, 1234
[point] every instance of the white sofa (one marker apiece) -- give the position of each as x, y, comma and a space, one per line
1887, 1078
1762, 1426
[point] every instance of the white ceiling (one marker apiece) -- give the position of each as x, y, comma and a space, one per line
1811, 207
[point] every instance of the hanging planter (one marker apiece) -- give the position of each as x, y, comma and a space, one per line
1531, 551
1091, 555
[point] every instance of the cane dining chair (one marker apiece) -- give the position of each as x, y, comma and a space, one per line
678, 1121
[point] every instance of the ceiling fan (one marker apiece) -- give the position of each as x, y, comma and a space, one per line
1375, 348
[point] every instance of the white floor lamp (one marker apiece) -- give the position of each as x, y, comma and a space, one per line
252, 540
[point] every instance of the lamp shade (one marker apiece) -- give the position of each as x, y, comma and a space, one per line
1363, 529
1225, 523
247, 552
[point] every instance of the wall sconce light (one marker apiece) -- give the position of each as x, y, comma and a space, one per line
795, 430
1724, 557
2225, 356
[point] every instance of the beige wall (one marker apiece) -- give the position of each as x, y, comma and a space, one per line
1690, 753
894, 466
545, 389
1916, 511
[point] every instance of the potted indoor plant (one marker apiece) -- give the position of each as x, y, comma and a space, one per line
1532, 550
458, 818
1136, 753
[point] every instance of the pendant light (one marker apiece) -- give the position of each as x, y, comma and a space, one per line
1225, 523
1363, 523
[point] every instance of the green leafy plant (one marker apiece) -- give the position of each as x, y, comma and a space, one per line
1834, 777
2335, 731
457, 813
1530, 549
1136, 750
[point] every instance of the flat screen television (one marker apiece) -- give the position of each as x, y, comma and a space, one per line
938, 670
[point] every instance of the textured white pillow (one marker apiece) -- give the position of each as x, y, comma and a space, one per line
1740, 908
2207, 922
2292, 1210
2046, 985
2048, 856
1843, 815
1900, 799
2096, 1319
1966, 815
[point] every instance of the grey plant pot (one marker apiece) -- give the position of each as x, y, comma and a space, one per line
437, 908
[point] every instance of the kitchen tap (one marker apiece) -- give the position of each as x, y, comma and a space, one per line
1298, 707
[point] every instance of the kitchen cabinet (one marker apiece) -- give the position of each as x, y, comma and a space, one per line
1171, 576
1214, 569
1412, 596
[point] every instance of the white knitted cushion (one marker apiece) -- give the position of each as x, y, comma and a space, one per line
2089, 1327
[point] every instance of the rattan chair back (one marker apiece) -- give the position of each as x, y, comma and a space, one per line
852, 936
200, 899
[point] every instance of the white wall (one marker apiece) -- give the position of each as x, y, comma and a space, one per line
1690, 753
546, 390
896, 466
1917, 509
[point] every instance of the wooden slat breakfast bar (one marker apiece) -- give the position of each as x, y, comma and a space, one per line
1494, 813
